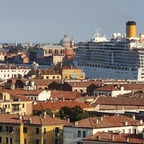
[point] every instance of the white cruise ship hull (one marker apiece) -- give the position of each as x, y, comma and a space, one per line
93, 73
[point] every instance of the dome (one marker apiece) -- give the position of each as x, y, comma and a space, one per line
65, 40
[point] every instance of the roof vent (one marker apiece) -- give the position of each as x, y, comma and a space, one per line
133, 117
30, 120
112, 137
97, 121
98, 137
127, 140
76, 124
126, 123
141, 121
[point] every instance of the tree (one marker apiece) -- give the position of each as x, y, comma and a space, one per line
41, 112
74, 114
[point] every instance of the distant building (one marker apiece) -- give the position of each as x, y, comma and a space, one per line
49, 50
68, 45
10, 71
49, 73
71, 73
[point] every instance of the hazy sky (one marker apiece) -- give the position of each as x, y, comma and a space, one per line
46, 21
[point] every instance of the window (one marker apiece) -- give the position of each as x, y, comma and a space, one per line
25, 130
10, 129
8, 106
130, 131
6, 140
0, 128
25, 141
57, 131
79, 133
84, 133
44, 130
44, 141
6, 128
10, 140
56, 141
134, 131
0, 139
37, 130
37, 141
23, 105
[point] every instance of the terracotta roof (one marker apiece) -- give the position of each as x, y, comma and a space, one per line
105, 122
23, 92
83, 84
22, 98
119, 101
69, 95
57, 105
116, 138
36, 120
112, 87
41, 82
15, 94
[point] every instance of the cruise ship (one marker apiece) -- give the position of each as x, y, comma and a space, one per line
121, 57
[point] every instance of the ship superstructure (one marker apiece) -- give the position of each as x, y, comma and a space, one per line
122, 57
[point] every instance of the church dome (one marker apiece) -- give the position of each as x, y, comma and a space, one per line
65, 40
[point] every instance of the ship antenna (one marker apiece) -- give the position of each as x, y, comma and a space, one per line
97, 30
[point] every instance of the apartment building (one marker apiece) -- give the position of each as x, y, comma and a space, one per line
18, 129
15, 104
9, 71
90, 126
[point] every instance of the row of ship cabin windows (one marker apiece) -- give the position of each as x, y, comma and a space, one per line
111, 67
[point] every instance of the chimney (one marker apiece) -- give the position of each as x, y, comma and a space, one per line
141, 121
53, 115
98, 137
30, 120
45, 114
97, 121
101, 118
127, 140
126, 123
112, 137
133, 117
68, 119
20, 117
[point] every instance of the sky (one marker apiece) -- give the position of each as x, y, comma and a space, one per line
46, 21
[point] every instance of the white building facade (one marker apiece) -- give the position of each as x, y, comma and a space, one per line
76, 133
